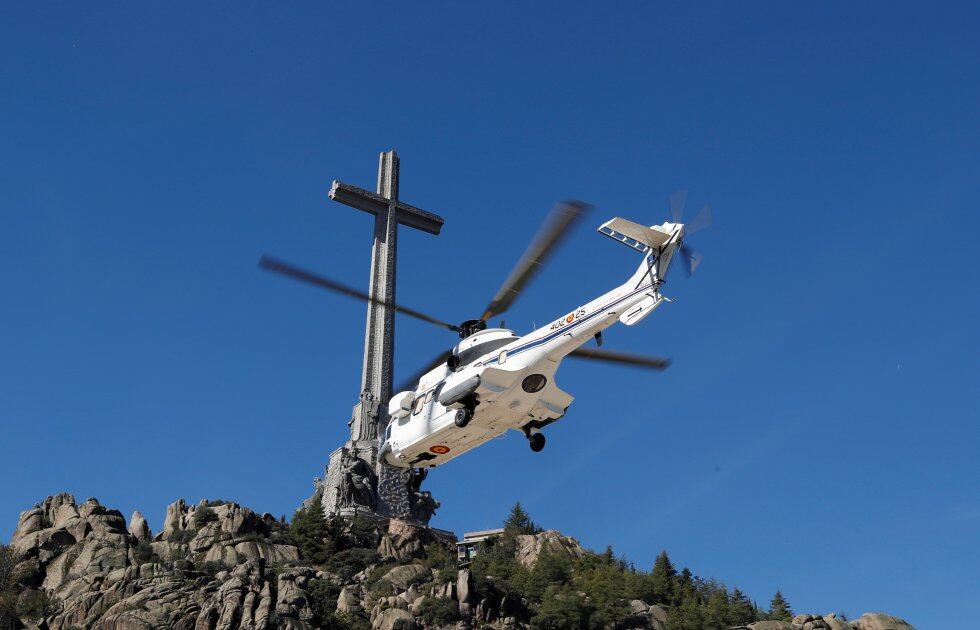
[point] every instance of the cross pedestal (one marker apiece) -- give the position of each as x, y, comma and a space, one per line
356, 481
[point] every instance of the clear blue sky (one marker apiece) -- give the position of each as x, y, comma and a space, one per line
818, 431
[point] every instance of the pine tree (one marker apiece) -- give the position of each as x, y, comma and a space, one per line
662, 579
519, 521
310, 533
716, 612
686, 616
779, 609
683, 586
550, 569
742, 610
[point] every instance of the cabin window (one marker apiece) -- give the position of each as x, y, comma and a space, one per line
472, 354
418, 405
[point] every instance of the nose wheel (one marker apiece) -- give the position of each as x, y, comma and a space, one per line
536, 441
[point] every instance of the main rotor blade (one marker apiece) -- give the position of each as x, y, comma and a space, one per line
409, 383
555, 228
701, 220
283, 268
676, 204
625, 358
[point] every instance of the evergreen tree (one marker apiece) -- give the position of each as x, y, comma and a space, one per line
662, 579
604, 585
779, 609
716, 611
741, 608
550, 569
683, 586
687, 616
562, 609
309, 531
519, 521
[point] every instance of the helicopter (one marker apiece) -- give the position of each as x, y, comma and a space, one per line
495, 380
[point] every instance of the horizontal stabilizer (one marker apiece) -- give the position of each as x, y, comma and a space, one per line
639, 237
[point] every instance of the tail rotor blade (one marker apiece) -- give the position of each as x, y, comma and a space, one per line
676, 204
701, 220
691, 259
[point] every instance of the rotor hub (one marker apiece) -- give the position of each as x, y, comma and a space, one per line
470, 327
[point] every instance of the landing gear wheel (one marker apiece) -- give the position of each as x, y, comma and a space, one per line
463, 417
536, 440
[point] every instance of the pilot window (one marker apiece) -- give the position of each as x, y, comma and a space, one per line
418, 405
429, 396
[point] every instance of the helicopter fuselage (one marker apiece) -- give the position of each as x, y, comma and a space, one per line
505, 381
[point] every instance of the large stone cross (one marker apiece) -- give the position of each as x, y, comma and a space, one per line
379, 337
370, 417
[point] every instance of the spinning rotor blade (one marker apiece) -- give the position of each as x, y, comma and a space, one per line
691, 260
700, 221
409, 383
625, 358
283, 268
555, 228
676, 204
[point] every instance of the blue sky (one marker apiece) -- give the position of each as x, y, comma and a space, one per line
817, 432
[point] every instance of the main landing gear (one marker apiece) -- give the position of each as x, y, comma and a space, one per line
536, 441
463, 417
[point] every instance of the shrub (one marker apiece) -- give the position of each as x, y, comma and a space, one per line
34, 604
322, 596
362, 533
439, 611
179, 558
143, 553
8, 609
440, 559
212, 567
182, 536
204, 515
350, 562
381, 588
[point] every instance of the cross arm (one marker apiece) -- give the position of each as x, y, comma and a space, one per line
373, 203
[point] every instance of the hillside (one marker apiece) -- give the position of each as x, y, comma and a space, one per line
218, 565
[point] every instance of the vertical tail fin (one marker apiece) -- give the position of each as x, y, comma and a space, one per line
657, 242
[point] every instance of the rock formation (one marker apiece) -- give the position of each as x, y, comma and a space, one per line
220, 566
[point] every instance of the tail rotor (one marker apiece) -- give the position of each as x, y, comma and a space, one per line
703, 219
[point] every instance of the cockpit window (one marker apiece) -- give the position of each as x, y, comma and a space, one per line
419, 402
472, 354
430, 396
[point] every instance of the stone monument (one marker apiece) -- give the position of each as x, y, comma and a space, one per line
355, 481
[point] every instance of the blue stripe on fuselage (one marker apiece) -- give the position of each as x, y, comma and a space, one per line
561, 331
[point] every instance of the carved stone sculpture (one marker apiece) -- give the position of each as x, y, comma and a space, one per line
357, 482
423, 505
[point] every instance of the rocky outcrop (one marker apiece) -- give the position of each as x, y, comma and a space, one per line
106, 575
221, 566
531, 546
867, 621
879, 621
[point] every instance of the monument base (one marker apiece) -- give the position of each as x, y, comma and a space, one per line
355, 483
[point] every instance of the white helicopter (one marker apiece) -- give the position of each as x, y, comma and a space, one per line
495, 380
